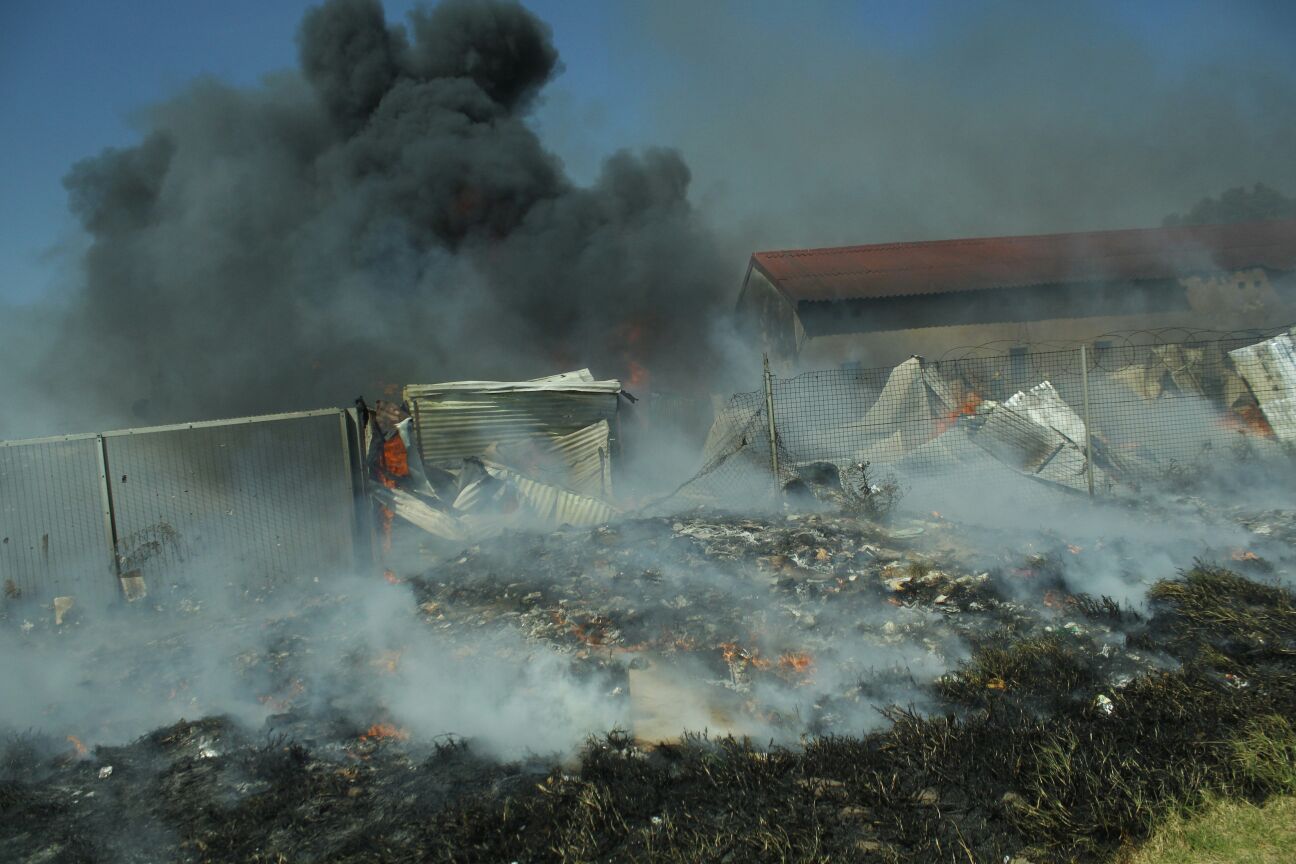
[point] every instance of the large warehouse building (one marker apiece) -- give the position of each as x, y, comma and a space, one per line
882, 303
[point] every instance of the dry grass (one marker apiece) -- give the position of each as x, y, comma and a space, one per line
1225, 832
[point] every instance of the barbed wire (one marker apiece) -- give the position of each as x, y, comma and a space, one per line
1115, 339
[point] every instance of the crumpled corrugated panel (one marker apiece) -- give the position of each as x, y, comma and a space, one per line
1269, 368
463, 419
553, 506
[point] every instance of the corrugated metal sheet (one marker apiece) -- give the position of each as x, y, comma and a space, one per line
1043, 405
417, 512
1269, 368
580, 381
941, 266
465, 418
1036, 449
579, 461
554, 506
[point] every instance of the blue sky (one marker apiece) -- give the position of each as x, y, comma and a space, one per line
75, 77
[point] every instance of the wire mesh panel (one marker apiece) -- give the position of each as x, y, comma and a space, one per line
736, 463
53, 532
243, 503
1102, 420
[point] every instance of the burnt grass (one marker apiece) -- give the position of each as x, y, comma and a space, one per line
1034, 757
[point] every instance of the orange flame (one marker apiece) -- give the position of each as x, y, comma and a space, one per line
381, 731
1249, 420
592, 634
77, 746
638, 377
395, 461
796, 662
966, 408
733, 655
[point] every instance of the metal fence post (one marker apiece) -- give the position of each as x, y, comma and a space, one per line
773, 433
1084, 386
106, 501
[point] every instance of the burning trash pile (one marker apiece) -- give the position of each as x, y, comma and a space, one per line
771, 627
907, 691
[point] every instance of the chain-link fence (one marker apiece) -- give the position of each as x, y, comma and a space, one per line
201, 509
1114, 417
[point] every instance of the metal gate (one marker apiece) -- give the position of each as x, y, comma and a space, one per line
215, 507
55, 534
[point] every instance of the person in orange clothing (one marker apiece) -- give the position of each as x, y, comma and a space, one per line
388, 463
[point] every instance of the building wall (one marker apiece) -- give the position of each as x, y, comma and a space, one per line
766, 316
1226, 301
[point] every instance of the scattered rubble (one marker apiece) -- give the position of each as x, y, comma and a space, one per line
842, 683
1016, 762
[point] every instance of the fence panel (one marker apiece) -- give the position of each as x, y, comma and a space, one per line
1023, 424
241, 503
54, 538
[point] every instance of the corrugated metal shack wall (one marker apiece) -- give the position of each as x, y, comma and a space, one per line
54, 532
237, 504
457, 424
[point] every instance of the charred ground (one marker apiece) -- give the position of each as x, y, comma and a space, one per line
1050, 726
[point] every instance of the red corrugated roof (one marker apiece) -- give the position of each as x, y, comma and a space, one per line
941, 266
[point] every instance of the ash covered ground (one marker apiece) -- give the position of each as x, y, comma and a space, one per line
911, 691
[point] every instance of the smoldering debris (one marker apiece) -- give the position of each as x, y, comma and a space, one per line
487, 656
864, 655
979, 774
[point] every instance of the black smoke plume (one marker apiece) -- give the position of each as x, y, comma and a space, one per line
386, 216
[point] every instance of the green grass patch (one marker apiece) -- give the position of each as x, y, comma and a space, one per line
1224, 832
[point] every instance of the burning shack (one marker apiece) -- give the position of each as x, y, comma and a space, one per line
881, 303
465, 458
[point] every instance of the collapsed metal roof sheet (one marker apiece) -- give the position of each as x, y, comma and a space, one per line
1269, 368
579, 461
1044, 406
466, 418
580, 381
554, 506
943, 266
